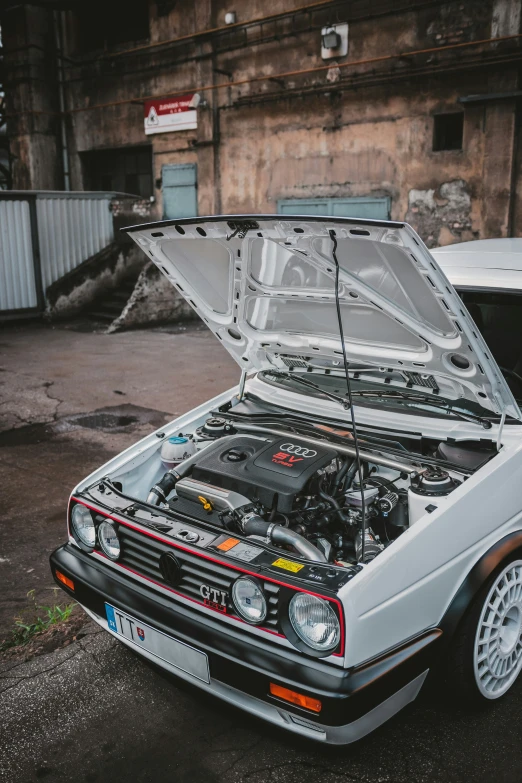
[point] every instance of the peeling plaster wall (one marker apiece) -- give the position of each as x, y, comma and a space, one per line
334, 149
442, 216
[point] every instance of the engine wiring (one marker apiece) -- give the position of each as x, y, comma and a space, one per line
349, 392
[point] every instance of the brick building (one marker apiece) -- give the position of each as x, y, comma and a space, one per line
408, 109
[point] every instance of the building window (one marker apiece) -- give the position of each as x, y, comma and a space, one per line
369, 207
102, 25
124, 170
447, 131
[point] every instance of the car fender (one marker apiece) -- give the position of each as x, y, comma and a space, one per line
475, 579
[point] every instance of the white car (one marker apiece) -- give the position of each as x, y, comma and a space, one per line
311, 571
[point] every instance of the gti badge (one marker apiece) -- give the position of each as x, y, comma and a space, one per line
213, 598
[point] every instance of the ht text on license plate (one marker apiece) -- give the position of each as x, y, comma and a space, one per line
160, 645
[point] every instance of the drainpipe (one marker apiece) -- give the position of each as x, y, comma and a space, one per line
514, 168
58, 36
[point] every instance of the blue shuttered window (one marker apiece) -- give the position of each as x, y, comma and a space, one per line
361, 207
179, 189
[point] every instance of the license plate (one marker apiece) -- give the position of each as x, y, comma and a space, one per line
178, 654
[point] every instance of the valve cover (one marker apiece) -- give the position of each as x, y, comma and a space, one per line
272, 473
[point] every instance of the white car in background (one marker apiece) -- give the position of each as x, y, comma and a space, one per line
308, 569
487, 274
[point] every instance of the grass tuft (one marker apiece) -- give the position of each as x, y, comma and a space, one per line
46, 616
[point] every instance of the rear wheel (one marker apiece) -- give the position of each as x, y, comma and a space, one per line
486, 656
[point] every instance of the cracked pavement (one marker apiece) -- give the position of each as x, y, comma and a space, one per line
50, 375
93, 711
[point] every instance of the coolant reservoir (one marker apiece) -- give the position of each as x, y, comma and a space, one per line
174, 450
428, 489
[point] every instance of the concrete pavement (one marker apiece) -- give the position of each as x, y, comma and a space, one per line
48, 378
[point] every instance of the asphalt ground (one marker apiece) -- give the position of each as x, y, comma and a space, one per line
55, 384
93, 711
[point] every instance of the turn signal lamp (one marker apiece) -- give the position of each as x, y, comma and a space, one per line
64, 580
299, 699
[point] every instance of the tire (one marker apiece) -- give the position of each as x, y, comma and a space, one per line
486, 653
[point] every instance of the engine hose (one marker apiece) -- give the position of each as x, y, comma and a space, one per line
341, 473
254, 525
381, 482
160, 491
334, 504
350, 475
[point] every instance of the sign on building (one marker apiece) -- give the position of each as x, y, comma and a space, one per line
163, 115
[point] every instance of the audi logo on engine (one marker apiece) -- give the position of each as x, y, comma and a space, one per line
299, 451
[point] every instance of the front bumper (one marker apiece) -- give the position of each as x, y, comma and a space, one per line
354, 702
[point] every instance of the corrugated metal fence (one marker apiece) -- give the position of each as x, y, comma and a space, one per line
44, 235
18, 281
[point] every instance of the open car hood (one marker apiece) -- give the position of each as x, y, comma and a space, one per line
264, 284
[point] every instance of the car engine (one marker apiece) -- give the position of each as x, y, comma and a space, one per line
294, 492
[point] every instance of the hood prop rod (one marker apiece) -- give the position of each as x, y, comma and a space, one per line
242, 382
500, 430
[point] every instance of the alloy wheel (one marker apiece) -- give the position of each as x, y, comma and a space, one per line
497, 656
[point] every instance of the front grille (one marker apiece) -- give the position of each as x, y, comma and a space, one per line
142, 554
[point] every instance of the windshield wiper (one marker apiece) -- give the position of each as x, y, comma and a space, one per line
311, 385
421, 399
398, 395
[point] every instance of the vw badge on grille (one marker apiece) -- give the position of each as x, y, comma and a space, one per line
170, 568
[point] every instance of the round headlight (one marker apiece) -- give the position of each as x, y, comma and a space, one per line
83, 525
314, 621
109, 541
249, 600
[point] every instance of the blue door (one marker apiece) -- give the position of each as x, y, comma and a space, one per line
179, 189
361, 207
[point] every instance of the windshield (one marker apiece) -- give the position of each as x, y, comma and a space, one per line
498, 316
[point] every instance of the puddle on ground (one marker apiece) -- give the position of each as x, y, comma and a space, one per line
116, 418
105, 421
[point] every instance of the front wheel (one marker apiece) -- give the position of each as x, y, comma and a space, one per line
486, 656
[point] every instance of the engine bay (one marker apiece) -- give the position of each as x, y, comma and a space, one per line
298, 491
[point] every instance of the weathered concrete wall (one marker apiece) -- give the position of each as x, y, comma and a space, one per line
363, 155
442, 215
31, 98
363, 131
97, 275
153, 301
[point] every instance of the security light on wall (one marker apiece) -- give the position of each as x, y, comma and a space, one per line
330, 39
198, 102
230, 17
334, 41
